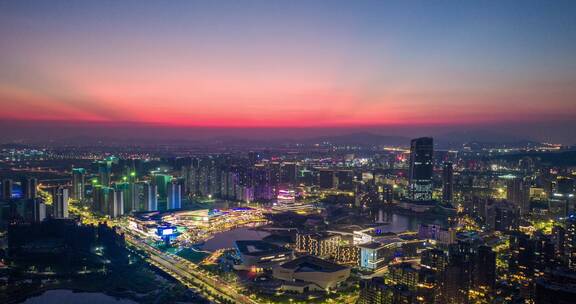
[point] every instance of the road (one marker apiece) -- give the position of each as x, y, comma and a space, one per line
190, 274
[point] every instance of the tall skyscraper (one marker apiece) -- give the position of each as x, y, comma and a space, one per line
78, 183
209, 175
29, 186
545, 253
570, 242
60, 197
134, 203
98, 198
563, 199
457, 276
229, 182
275, 175
263, 189
485, 267
140, 190
501, 216
174, 196
447, 182
191, 176
152, 202
105, 172
149, 196
522, 255
518, 193
111, 202
146, 196
162, 181
127, 189
102, 198
421, 169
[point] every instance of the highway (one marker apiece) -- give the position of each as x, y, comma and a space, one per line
190, 274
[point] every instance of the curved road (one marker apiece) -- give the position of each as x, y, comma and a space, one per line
189, 273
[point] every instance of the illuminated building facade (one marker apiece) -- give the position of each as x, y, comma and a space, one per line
260, 254
150, 201
174, 200
501, 216
320, 245
518, 193
421, 169
162, 181
437, 233
348, 255
60, 196
109, 201
570, 242
128, 191
522, 261
374, 256
376, 290
78, 183
562, 202
404, 274
115, 203
105, 171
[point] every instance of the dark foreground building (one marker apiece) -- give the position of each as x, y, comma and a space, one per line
556, 287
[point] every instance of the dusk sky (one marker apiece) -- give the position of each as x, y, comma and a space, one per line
290, 63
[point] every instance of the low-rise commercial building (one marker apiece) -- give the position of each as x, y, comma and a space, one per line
310, 273
260, 255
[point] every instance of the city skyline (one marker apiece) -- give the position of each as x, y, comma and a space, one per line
277, 151
373, 66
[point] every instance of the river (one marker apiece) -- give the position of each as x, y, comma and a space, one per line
226, 239
400, 222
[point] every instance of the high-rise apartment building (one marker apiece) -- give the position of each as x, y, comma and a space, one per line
78, 183
60, 196
447, 182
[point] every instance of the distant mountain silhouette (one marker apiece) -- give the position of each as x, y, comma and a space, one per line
482, 136
362, 138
